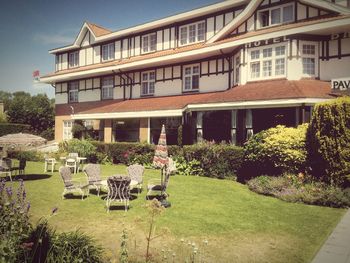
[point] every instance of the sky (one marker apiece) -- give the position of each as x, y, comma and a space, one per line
29, 28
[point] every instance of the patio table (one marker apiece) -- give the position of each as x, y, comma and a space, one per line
80, 161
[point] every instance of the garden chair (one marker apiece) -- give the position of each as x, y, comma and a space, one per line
135, 172
6, 167
118, 190
21, 166
172, 166
49, 161
157, 186
70, 186
93, 174
72, 162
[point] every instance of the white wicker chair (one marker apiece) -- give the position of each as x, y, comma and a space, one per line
135, 172
71, 186
93, 174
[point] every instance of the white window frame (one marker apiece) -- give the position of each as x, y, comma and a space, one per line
107, 85
261, 60
107, 52
309, 56
148, 83
185, 37
189, 71
73, 59
67, 129
73, 91
281, 15
147, 44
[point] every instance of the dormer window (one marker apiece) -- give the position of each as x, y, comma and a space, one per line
149, 43
108, 52
192, 33
277, 15
73, 59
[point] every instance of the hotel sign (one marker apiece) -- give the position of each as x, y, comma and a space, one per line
269, 41
341, 84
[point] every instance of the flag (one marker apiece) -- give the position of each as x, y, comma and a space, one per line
36, 75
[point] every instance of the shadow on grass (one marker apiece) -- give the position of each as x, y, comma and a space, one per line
29, 177
72, 196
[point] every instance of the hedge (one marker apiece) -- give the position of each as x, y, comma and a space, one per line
215, 160
10, 128
275, 151
329, 141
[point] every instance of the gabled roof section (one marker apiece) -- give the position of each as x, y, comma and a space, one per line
103, 34
95, 30
254, 4
98, 30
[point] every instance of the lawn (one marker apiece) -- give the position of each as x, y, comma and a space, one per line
240, 226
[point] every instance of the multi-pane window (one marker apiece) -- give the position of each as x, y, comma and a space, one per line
149, 43
108, 52
191, 78
73, 91
267, 62
73, 59
148, 83
192, 33
67, 130
107, 88
309, 59
275, 16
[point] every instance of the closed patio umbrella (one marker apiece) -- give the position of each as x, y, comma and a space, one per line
160, 159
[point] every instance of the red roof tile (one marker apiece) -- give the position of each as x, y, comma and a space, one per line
263, 90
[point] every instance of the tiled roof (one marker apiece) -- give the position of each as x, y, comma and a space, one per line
255, 91
98, 30
327, 18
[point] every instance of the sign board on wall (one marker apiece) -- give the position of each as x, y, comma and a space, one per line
341, 84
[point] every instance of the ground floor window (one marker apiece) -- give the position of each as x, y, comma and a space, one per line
217, 126
171, 126
127, 130
67, 130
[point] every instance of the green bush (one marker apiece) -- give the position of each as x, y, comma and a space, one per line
216, 160
82, 147
328, 141
74, 247
10, 128
33, 156
292, 188
275, 151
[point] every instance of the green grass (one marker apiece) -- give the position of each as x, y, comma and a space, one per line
241, 226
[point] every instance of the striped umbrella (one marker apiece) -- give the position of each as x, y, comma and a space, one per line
160, 158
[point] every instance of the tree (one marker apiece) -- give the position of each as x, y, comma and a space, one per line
37, 111
6, 98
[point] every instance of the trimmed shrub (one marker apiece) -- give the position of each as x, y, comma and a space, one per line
82, 147
10, 128
292, 188
33, 156
328, 141
216, 160
275, 151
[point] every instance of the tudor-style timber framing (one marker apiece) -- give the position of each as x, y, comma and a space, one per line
293, 47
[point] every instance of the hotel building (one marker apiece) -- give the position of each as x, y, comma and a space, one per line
223, 71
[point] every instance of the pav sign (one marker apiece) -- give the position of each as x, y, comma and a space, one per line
341, 84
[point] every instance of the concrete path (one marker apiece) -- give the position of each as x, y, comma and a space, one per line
337, 247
